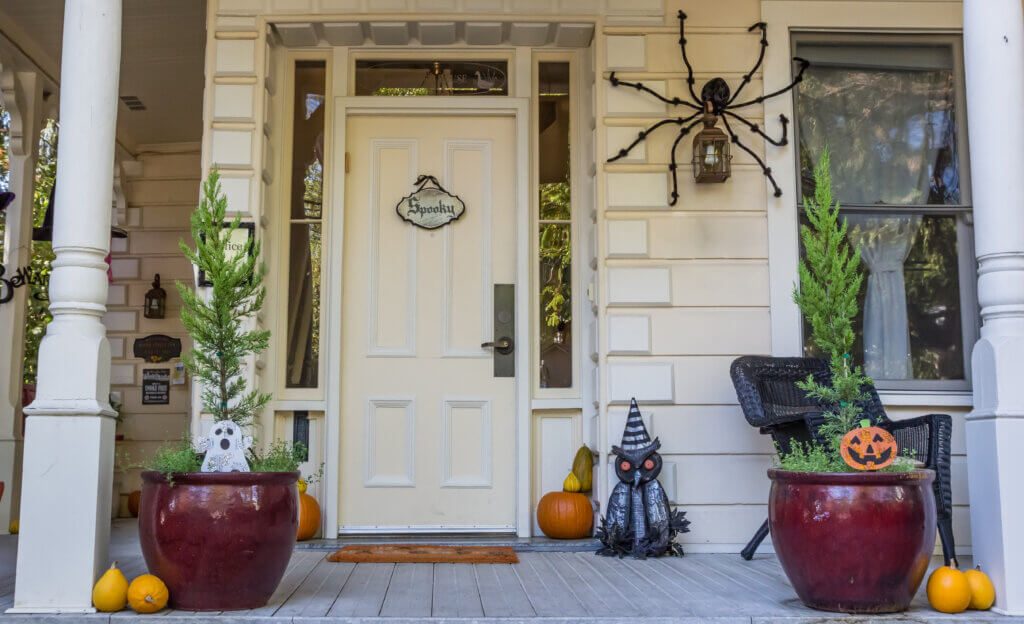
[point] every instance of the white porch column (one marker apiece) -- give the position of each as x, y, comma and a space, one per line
23, 98
994, 65
69, 439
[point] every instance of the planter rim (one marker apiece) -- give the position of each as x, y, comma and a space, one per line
922, 476
223, 478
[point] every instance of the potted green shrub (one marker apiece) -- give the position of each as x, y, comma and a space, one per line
849, 540
218, 520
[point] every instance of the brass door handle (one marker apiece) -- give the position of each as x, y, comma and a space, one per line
503, 346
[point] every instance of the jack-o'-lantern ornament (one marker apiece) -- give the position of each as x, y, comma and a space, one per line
868, 448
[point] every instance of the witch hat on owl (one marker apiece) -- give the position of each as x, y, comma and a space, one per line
635, 436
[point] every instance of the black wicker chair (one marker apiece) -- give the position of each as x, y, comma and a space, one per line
767, 391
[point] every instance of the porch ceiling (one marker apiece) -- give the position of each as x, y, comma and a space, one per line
162, 52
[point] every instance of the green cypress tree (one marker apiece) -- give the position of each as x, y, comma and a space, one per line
830, 280
220, 342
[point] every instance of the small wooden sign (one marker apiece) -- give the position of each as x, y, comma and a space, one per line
156, 386
430, 207
157, 348
868, 448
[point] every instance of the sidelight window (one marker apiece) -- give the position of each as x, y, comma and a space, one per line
305, 236
555, 225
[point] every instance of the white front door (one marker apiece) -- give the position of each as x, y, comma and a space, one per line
428, 435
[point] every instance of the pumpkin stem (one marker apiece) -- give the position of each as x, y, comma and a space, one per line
953, 565
113, 566
149, 599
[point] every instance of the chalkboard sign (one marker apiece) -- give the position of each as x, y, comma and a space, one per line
156, 386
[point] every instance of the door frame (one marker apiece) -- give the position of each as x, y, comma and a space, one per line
486, 106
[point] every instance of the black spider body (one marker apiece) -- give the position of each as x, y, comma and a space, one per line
715, 92
717, 101
640, 522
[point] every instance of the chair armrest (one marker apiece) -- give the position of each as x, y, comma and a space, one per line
940, 433
746, 392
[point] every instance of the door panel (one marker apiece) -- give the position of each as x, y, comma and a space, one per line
427, 431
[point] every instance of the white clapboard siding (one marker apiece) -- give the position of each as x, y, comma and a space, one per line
631, 188
710, 54
161, 199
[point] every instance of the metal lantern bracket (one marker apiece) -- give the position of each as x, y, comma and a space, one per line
715, 97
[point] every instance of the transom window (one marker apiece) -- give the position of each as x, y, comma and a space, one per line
890, 110
426, 77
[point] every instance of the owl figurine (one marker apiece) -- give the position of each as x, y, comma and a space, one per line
639, 521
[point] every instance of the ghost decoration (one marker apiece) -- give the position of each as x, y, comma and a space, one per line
225, 448
640, 521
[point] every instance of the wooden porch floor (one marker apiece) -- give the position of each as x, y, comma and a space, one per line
554, 586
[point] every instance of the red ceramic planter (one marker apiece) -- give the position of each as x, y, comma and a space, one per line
220, 541
853, 542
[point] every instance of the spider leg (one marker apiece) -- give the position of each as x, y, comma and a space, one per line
757, 65
639, 86
644, 133
686, 61
804, 64
757, 129
672, 167
764, 168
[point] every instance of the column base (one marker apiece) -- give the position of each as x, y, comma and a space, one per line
995, 430
68, 469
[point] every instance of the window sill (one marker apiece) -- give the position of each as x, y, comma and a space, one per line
922, 398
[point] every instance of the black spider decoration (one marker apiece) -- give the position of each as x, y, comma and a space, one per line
715, 100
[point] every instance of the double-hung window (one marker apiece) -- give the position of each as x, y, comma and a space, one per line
890, 110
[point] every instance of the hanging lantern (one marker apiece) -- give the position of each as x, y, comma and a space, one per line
156, 300
711, 157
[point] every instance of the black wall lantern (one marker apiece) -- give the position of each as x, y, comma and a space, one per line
156, 300
711, 157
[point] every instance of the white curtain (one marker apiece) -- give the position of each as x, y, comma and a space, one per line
885, 243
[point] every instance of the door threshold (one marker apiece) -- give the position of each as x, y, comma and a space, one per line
519, 544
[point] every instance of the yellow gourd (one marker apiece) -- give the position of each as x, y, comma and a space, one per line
983, 593
13, 527
147, 594
948, 590
571, 483
583, 468
302, 486
110, 593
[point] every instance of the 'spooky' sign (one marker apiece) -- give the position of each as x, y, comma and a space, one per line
430, 207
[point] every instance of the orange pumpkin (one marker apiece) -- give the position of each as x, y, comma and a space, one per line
133, 503
868, 448
565, 515
309, 516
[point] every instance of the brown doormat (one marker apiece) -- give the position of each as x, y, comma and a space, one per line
423, 553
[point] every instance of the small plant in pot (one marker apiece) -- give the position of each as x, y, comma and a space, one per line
218, 520
852, 522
